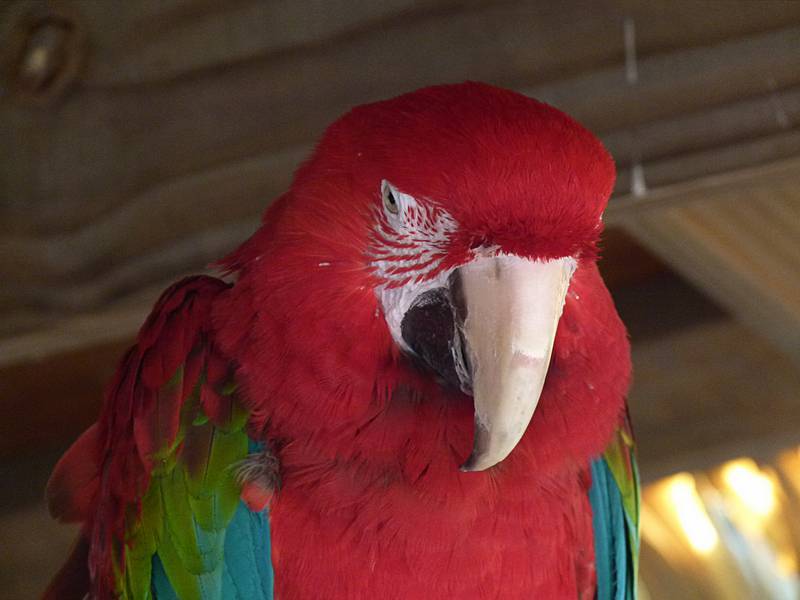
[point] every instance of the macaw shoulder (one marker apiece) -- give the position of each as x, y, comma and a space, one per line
162, 458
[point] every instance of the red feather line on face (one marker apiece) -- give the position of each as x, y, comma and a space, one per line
412, 245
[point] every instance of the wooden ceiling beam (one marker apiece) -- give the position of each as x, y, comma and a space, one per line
710, 393
137, 180
734, 236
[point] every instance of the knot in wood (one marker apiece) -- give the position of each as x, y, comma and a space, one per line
45, 50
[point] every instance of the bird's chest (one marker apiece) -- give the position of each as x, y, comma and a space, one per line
439, 541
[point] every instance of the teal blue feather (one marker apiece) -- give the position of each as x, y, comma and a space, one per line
614, 556
248, 553
248, 566
247, 573
162, 590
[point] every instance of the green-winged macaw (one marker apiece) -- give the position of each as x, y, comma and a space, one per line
412, 384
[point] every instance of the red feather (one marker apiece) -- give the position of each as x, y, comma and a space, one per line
72, 486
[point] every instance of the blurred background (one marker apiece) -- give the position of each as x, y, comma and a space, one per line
140, 140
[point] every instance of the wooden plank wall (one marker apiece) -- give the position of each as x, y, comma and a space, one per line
166, 127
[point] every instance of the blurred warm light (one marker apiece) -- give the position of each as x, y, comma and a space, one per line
729, 533
789, 463
692, 516
751, 487
787, 563
657, 533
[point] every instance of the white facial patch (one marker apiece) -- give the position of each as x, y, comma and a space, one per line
409, 243
396, 301
411, 240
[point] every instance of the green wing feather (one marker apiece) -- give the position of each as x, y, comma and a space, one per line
154, 481
191, 499
620, 456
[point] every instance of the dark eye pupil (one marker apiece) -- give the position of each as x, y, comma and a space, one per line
389, 201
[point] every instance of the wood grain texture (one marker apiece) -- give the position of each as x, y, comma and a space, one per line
39, 547
710, 393
48, 404
190, 116
740, 243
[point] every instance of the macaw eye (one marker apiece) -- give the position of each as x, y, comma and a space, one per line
389, 201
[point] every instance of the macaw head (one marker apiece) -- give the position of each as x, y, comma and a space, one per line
436, 232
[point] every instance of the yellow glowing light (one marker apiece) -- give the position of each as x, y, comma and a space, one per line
654, 530
753, 488
787, 563
693, 519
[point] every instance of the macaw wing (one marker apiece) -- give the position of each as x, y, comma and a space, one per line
614, 497
155, 480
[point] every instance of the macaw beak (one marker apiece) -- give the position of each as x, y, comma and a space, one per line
488, 329
511, 307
